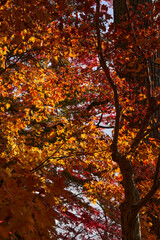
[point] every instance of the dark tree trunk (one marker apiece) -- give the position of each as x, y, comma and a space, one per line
129, 216
130, 223
119, 8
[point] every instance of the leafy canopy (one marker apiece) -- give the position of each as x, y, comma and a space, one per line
56, 102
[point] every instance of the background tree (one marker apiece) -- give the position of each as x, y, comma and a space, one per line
121, 11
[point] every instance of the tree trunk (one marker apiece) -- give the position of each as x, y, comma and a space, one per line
119, 8
129, 216
130, 223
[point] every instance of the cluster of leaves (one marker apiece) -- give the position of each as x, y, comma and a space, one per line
55, 102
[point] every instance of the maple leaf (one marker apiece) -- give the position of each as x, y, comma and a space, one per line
67, 75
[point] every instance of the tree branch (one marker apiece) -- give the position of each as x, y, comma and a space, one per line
139, 136
94, 104
105, 127
100, 120
45, 161
109, 78
73, 178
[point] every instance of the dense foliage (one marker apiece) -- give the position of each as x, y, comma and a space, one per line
78, 108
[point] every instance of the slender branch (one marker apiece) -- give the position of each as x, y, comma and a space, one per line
100, 120
46, 160
109, 78
150, 130
94, 104
140, 135
106, 127
74, 179
101, 236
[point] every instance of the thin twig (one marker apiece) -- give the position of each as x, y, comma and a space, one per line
140, 135
46, 160
100, 120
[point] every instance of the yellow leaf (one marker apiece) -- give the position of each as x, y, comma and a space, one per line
94, 201
84, 136
7, 105
32, 39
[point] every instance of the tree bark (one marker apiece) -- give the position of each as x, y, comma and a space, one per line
129, 216
119, 8
130, 223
